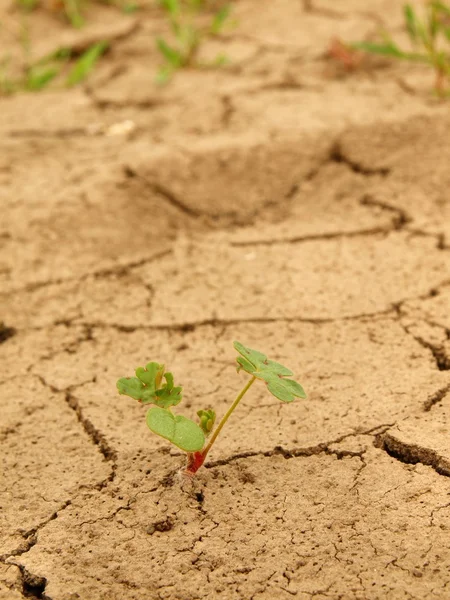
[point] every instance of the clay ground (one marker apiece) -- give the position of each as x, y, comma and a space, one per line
279, 201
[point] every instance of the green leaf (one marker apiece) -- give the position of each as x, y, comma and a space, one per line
130, 8
410, 19
221, 60
148, 375
166, 397
252, 356
173, 56
164, 74
73, 13
441, 7
207, 420
285, 390
86, 63
257, 364
169, 381
28, 4
219, 19
243, 363
171, 6
182, 432
278, 369
146, 387
37, 79
386, 49
131, 386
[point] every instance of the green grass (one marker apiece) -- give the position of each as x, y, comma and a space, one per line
430, 42
74, 10
62, 64
191, 23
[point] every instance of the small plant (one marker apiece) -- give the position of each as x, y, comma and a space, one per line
39, 74
73, 10
183, 16
427, 37
148, 388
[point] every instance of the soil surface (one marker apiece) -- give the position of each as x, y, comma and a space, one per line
281, 201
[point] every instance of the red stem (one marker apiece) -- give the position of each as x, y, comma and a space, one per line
195, 461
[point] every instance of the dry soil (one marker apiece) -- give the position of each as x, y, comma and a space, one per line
281, 201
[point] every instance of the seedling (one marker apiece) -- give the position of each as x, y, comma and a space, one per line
428, 36
39, 74
148, 388
73, 9
184, 17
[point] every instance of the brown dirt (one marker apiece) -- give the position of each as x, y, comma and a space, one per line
280, 201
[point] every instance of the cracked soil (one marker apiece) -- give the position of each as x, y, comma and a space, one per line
279, 201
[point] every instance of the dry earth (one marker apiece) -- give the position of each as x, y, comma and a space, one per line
279, 201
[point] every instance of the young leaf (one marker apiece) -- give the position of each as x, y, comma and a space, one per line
257, 364
207, 419
441, 7
133, 387
182, 432
37, 79
410, 19
28, 4
86, 63
163, 76
166, 397
147, 388
73, 12
172, 6
148, 374
243, 363
219, 19
285, 390
172, 55
130, 7
152, 375
278, 369
251, 356
387, 49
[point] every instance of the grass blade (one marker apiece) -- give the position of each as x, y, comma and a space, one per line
172, 55
411, 24
219, 19
86, 63
387, 49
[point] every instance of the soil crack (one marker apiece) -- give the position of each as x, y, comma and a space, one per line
413, 453
97, 438
401, 217
319, 236
165, 193
438, 351
321, 448
337, 155
436, 398
120, 270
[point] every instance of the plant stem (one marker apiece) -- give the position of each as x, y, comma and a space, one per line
227, 416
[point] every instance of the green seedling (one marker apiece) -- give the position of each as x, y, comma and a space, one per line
73, 10
430, 42
38, 75
86, 63
184, 17
28, 4
154, 386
